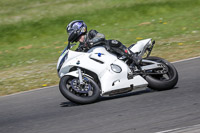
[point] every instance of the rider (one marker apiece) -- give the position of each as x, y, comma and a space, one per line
77, 31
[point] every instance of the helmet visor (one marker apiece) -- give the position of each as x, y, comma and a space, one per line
75, 26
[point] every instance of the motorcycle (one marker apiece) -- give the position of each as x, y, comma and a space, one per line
87, 76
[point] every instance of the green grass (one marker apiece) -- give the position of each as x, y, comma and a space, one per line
32, 33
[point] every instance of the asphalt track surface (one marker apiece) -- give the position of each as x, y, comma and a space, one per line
145, 111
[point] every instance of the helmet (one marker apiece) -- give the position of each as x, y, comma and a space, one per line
75, 29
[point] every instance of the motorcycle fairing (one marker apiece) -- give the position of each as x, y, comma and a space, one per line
140, 47
100, 64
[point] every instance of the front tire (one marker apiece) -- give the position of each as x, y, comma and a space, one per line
160, 82
75, 94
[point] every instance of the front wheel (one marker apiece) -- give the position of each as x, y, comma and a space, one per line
165, 81
85, 93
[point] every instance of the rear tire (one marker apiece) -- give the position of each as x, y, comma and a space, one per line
80, 98
159, 83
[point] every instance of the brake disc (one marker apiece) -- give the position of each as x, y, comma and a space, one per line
81, 88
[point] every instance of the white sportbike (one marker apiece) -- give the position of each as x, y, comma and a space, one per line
86, 76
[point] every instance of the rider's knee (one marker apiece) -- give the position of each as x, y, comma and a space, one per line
115, 43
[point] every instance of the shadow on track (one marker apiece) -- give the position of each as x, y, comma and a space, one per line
68, 104
106, 98
134, 93
71, 104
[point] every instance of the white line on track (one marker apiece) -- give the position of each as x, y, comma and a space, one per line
57, 85
187, 129
186, 59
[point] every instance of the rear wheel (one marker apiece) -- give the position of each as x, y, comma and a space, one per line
164, 81
85, 93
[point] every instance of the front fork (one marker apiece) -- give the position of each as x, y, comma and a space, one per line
80, 76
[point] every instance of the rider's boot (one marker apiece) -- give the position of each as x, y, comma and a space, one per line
135, 62
134, 59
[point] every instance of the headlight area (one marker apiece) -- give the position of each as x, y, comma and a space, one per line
116, 68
